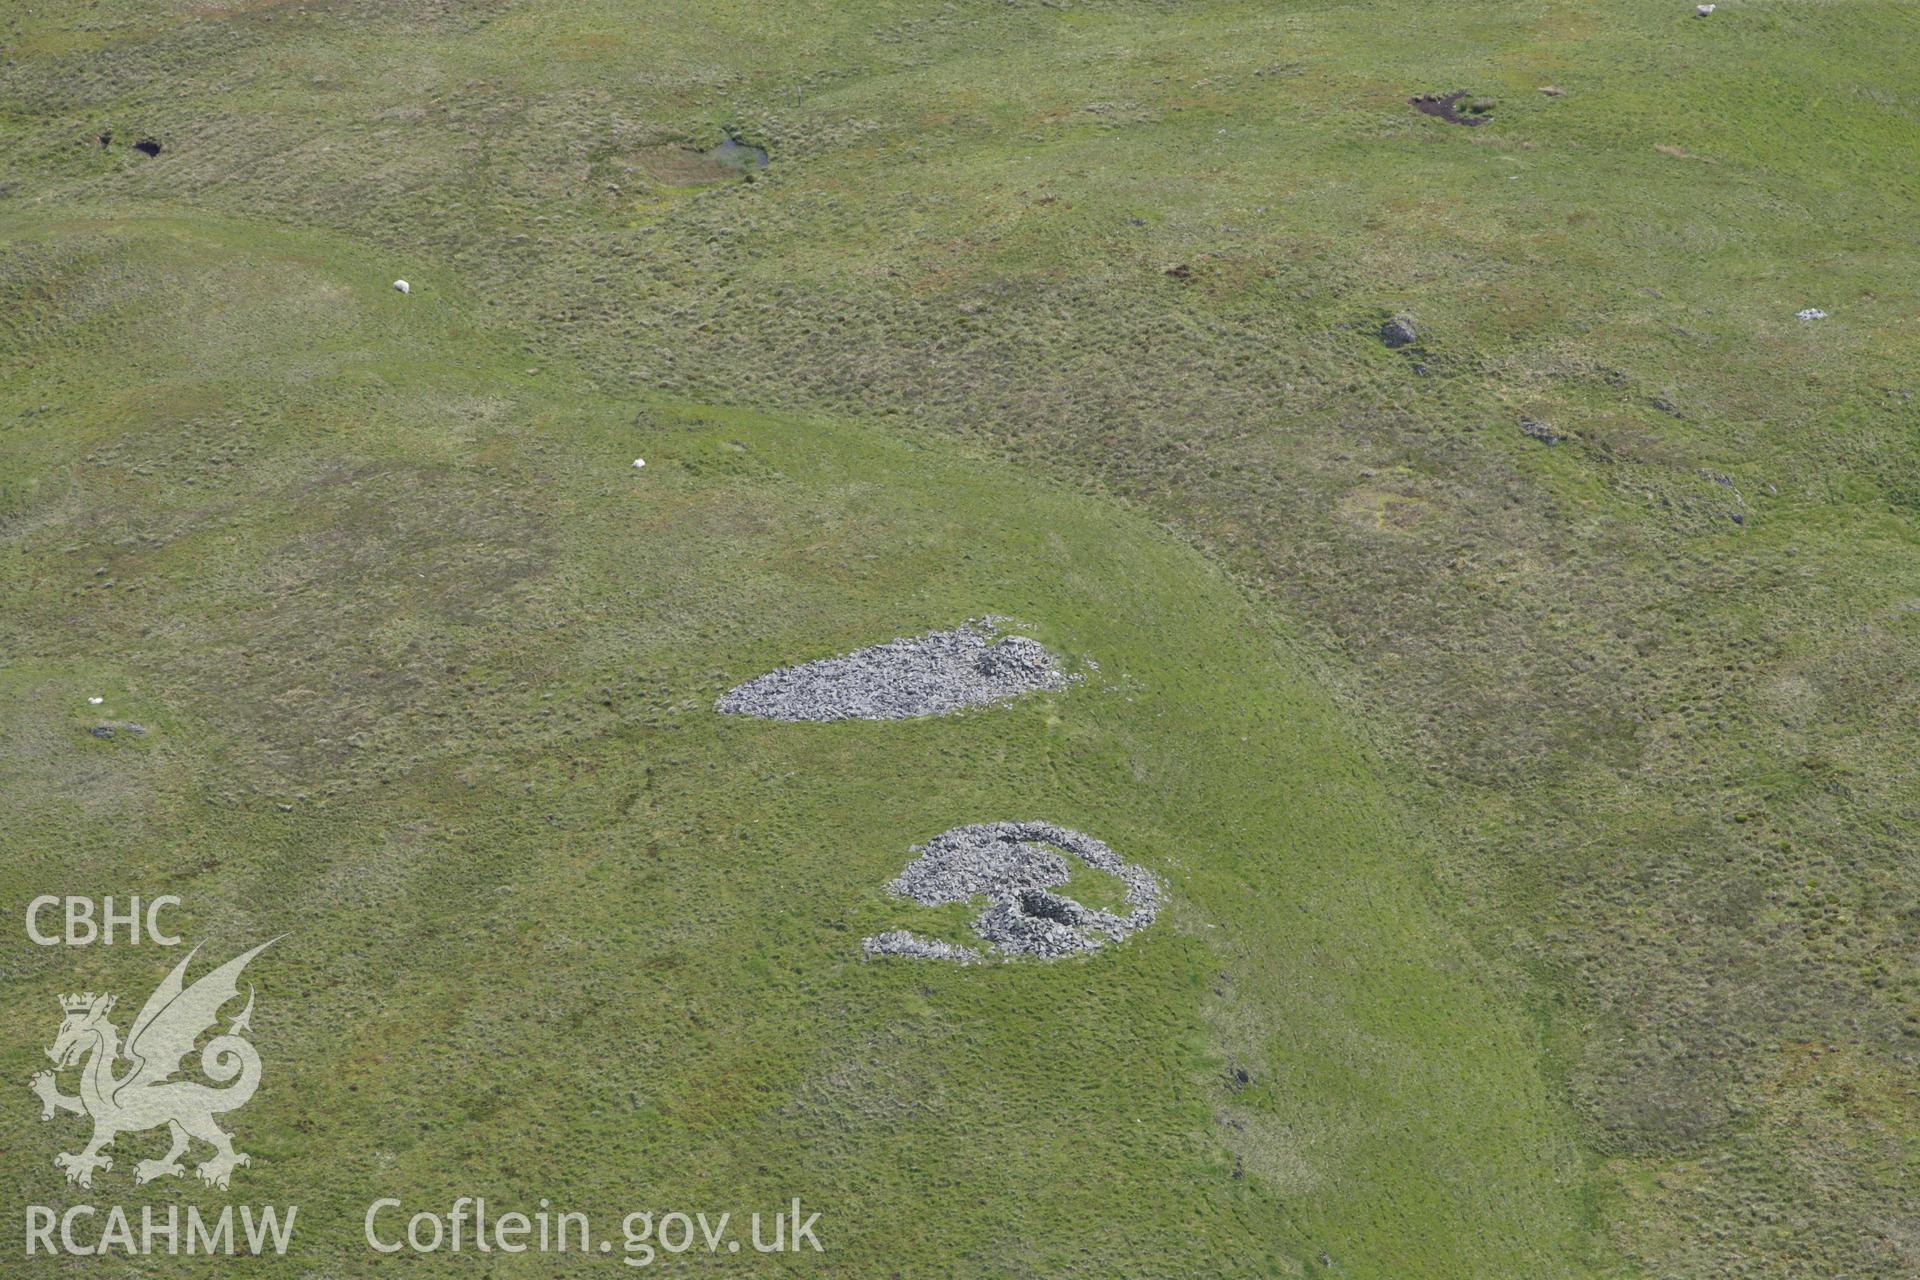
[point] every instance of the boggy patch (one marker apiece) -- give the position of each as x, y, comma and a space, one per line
1446, 106
686, 167
676, 166
735, 154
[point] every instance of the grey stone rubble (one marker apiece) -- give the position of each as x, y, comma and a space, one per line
1399, 332
1013, 865
1540, 431
903, 942
929, 675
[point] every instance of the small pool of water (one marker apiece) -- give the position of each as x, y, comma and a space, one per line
739, 155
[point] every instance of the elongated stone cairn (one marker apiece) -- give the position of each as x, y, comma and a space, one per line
933, 674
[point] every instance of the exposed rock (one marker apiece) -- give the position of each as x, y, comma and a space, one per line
1540, 431
903, 942
1399, 332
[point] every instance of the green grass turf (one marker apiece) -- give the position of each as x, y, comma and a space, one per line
427, 672
1655, 761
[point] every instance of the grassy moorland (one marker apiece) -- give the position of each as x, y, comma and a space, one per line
426, 672
1552, 805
